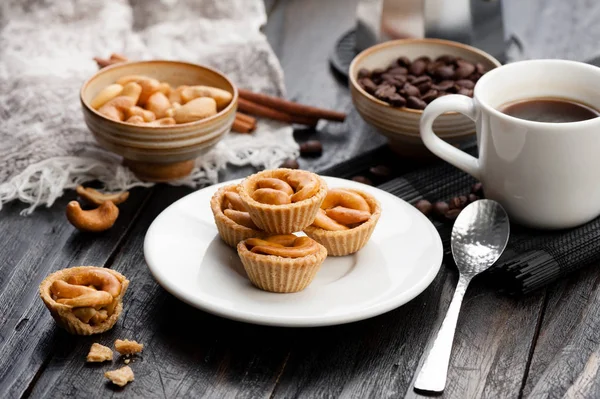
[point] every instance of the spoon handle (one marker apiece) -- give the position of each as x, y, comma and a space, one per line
432, 376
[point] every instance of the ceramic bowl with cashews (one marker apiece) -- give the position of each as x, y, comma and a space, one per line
159, 115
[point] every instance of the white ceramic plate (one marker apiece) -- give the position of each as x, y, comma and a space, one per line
186, 256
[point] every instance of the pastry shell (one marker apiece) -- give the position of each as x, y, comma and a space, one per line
281, 219
279, 274
63, 314
230, 232
346, 242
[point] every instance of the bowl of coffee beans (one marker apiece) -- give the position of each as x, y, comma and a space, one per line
392, 82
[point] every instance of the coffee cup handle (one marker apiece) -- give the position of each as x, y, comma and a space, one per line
449, 153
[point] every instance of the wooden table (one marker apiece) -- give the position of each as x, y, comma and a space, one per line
546, 344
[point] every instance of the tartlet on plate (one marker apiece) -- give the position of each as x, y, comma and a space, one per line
231, 216
283, 201
281, 263
84, 300
345, 221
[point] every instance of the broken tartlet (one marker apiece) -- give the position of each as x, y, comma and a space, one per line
84, 300
345, 221
231, 216
281, 263
283, 201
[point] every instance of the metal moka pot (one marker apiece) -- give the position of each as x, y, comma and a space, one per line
475, 22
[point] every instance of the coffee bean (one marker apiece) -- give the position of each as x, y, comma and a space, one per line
444, 85
473, 198
424, 206
454, 203
452, 214
397, 71
477, 189
418, 67
384, 91
397, 100
403, 61
474, 77
463, 69
377, 72
480, 68
364, 73
465, 92
411, 78
464, 201
368, 85
466, 83
424, 87
410, 90
312, 148
380, 171
424, 58
290, 164
446, 59
415, 103
444, 72
440, 208
430, 96
363, 180
394, 80
421, 79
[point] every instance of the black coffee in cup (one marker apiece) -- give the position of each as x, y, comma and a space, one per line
551, 110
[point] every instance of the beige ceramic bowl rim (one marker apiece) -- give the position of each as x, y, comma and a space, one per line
102, 71
392, 43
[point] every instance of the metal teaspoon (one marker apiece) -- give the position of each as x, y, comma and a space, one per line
479, 236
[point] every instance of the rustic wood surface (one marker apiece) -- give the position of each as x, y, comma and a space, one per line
546, 344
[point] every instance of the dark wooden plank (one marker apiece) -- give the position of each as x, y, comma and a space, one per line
33, 247
566, 359
187, 353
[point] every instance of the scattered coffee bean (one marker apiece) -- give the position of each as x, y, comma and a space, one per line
364, 73
290, 164
430, 96
424, 206
477, 189
473, 198
409, 90
452, 214
403, 61
465, 92
415, 103
380, 171
312, 148
368, 85
466, 83
440, 208
363, 180
424, 87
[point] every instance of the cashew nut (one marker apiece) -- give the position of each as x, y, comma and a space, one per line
105, 95
97, 198
165, 88
162, 122
117, 107
136, 120
159, 104
175, 95
194, 110
132, 90
222, 97
149, 85
148, 116
95, 220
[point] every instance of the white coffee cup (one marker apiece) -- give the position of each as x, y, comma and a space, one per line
546, 175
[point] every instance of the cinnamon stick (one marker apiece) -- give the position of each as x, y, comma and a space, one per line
240, 126
114, 59
245, 118
250, 107
289, 107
